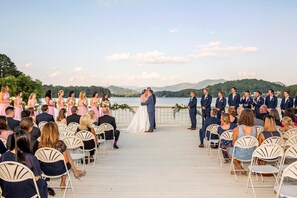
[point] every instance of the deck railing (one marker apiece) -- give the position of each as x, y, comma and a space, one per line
164, 116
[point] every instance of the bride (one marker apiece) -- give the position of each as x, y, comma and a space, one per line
140, 121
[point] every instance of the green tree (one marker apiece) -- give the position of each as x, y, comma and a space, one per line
7, 67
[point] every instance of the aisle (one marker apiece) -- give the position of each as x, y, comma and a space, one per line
165, 164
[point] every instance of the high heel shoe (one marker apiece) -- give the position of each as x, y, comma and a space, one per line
80, 174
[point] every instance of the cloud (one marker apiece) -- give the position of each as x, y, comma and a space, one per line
174, 30
78, 69
54, 74
246, 74
154, 57
27, 65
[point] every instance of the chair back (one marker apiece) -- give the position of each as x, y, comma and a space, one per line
291, 152
268, 152
85, 135
227, 135
49, 155
73, 142
41, 124
274, 140
290, 133
213, 128
291, 141
246, 142
259, 129
66, 133
17, 172
73, 126
106, 128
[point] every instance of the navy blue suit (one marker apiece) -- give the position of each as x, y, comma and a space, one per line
151, 111
193, 111
271, 103
44, 117
258, 102
206, 103
221, 104
247, 103
286, 105
296, 102
209, 121
234, 101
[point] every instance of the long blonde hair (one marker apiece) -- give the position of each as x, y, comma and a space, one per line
60, 92
269, 124
31, 96
49, 135
81, 95
85, 122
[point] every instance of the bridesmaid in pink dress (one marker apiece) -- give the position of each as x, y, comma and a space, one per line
71, 101
82, 103
61, 101
32, 102
4, 100
105, 103
94, 102
50, 103
18, 108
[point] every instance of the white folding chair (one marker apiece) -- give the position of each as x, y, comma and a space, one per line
41, 124
212, 129
66, 133
288, 190
85, 136
291, 141
289, 156
226, 136
48, 156
76, 148
15, 172
107, 128
245, 142
259, 130
73, 126
265, 152
101, 140
290, 133
274, 140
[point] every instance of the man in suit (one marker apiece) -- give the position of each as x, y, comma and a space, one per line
106, 118
220, 104
234, 98
258, 102
74, 117
193, 110
271, 100
296, 102
150, 109
44, 116
246, 101
209, 121
155, 101
12, 123
263, 112
206, 104
287, 102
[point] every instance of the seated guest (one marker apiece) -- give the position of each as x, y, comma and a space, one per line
208, 121
44, 116
93, 118
4, 131
27, 125
32, 113
74, 117
85, 124
290, 113
245, 128
62, 116
106, 118
246, 101
232, 113
269, 129
12, 123
257, 121
50, 138
239, 110
287, 124
226, 125
21, 152
275, 114
263, 112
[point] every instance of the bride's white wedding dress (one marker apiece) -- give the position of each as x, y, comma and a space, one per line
140, 122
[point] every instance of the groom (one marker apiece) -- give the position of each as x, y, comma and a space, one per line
150, 109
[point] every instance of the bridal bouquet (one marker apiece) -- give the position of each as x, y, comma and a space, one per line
65, 104
85, 104
11, 99
116, 106
177, 108
73, 103
36, 106
105, 104
23, 104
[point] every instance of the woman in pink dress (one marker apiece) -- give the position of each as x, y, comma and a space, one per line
94, 102
105, 103
50, 103
4, 100
71, 101
61, 102
32, 103
18, 105
82, 103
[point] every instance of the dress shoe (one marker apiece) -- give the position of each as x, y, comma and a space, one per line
51, 191
115, 146
201, 146
149, 131
193, 129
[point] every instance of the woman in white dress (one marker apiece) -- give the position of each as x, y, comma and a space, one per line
140, 121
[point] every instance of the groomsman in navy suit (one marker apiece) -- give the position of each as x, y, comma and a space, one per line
246, 101
193, 110
220, 104
206, 104
271, 100
296, 102
258, 102
287, 102
234, 98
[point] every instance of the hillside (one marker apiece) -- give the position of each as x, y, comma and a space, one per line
242, 85
119, 91
293, 90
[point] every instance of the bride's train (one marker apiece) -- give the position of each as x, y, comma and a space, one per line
140, 121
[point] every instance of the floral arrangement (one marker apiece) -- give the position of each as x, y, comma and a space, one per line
178, 107
116, 106
11, 99
23, 104
65, 104
36, 106
73, 103
105, 104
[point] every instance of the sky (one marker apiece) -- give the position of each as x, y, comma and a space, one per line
150, 42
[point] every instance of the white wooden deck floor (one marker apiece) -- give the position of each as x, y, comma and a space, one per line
163, 164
